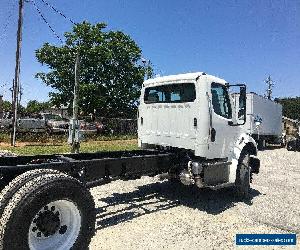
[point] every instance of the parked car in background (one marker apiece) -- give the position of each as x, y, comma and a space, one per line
33, 125
89, 126
24, 125
5, 123
52, 123
55, 123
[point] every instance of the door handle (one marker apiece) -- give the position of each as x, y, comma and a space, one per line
213, 135
195, 123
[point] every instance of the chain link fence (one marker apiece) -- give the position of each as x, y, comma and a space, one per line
118, 126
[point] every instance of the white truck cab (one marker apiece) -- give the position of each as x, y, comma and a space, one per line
194, 113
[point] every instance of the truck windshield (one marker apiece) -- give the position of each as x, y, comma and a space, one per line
220, 100
171, 93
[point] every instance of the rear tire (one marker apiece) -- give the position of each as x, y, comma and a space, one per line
51, 211
291, 145
243, 176
19, 182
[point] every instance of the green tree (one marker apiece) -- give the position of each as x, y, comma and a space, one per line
111, 71
7, 106
34, 106
290, 107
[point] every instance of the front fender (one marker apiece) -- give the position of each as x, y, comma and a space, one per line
244, 141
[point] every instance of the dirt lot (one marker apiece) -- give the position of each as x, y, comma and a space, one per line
148, 214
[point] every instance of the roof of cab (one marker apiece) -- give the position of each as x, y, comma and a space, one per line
179, 77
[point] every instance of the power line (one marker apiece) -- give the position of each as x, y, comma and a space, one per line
44, 19
58, 12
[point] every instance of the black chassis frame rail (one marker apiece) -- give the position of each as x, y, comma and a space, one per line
92, 168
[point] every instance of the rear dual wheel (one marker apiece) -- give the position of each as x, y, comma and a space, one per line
18, 182
50, 211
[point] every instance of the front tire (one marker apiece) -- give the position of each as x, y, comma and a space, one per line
243, 176
52, 211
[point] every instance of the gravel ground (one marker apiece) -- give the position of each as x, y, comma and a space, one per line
149, 214
5, 153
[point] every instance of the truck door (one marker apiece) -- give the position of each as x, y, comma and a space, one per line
221, 136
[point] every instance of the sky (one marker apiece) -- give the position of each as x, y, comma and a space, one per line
240, 41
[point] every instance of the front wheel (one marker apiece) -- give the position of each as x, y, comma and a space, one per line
243, 176
52, 211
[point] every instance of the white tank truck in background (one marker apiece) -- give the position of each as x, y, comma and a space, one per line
264, 119
195, 114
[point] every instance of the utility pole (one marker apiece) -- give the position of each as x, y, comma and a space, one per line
20, 94
270, 84
75, 141
17, 71
12, 93
12, 109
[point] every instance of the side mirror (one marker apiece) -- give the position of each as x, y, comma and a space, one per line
242, 104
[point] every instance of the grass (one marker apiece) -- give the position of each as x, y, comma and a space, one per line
59, 146
59, 138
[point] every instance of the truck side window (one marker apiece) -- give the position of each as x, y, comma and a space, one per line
155, 95
175, 94
170, 93
220, 100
